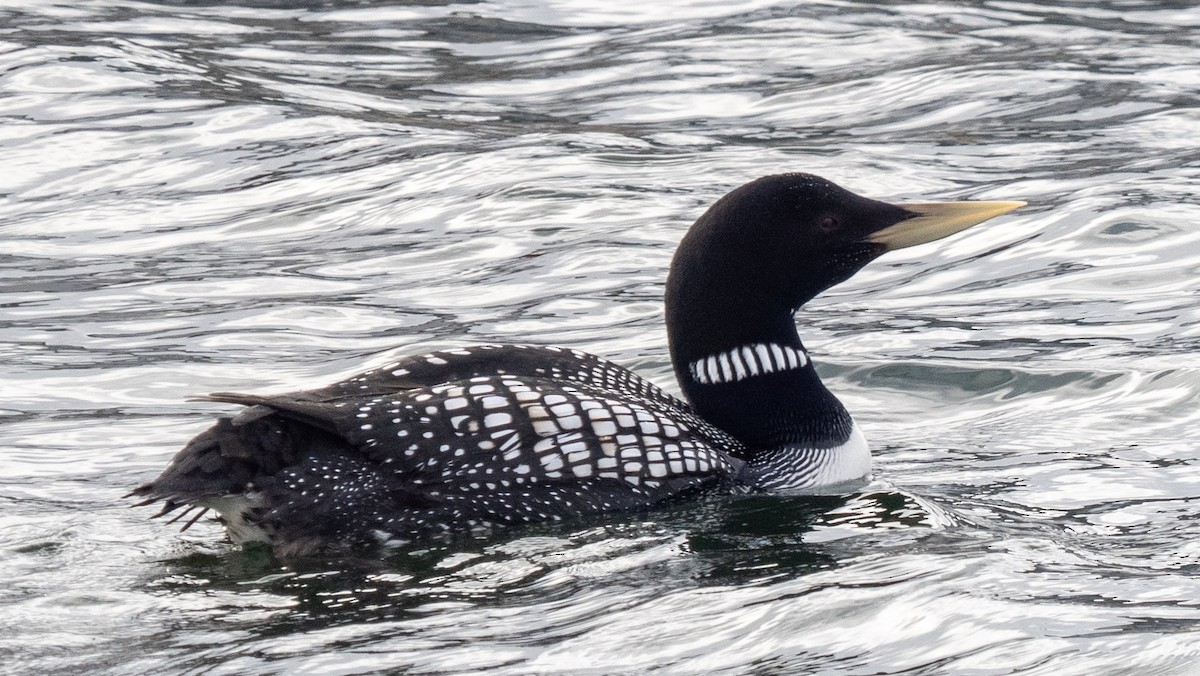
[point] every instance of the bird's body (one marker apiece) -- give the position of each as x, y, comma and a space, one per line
503, 434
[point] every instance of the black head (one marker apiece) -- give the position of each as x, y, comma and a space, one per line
760, 253
788, 236
765, 249
771, 245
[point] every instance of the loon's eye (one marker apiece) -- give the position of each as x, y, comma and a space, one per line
829, 224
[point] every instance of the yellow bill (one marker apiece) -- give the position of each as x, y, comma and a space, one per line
935, 220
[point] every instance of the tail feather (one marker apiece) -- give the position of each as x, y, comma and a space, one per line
182, 514
319, 414
257, 471
169, 506
223, 460
191, 522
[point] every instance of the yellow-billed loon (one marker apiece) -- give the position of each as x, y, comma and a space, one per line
505, 434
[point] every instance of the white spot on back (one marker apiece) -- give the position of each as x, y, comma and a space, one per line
497, 420
604, 428
494, 402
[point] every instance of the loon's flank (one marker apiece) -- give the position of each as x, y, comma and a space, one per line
491, 435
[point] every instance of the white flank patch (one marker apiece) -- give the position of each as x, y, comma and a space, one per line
746, 361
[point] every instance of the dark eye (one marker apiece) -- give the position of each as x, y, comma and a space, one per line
829, 224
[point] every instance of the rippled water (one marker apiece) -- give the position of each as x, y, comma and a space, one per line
200, 196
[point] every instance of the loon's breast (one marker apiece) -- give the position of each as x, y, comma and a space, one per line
805, 468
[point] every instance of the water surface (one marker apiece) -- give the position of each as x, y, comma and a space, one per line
269, 196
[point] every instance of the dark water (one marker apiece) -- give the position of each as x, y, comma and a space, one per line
201, 196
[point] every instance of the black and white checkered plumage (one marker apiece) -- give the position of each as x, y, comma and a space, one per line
494, 435
476, 436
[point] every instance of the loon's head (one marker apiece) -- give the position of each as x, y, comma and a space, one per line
761, 252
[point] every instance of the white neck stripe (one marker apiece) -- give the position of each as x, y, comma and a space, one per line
745, 361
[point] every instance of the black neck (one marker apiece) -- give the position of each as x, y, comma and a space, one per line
785, 407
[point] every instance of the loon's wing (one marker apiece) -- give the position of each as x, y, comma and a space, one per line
558, 365
335, 464
532, 361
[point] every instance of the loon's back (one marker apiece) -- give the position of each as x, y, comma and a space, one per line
478, 436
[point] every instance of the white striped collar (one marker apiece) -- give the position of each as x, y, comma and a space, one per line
745, 361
